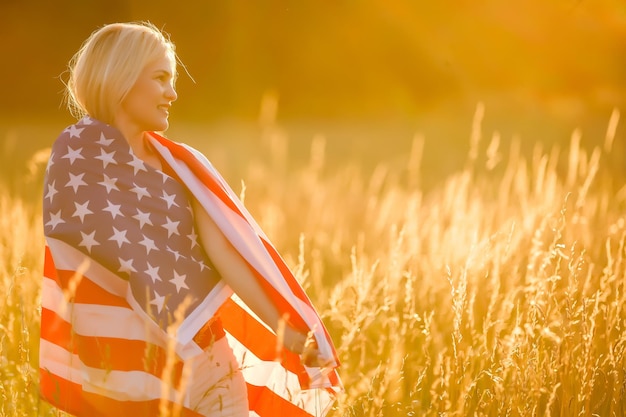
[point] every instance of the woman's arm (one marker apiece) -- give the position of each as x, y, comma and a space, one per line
236, 273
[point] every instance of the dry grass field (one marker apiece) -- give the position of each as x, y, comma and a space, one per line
498, 293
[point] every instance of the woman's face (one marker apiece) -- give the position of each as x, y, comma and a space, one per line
146, 106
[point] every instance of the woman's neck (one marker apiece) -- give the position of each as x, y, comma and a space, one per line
137, 140
140, 146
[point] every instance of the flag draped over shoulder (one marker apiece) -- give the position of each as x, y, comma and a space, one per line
114, 276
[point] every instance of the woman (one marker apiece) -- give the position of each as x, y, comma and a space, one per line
161, 295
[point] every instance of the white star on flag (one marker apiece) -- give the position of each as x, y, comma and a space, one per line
126, 265
144, 218
82, 210
153, 273
50, 162
88, 240
138, 165
119, 236
194, 239
200, 262
158, 301
109, 183
114, 209
149, 244
175, 253
51, 191
74, 131
169, 199
73, 154
55, 219
140, 192
76, 181
106, 158
179, 281
172, 227
103, 140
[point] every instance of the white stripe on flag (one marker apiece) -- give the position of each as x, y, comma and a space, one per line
54, 359
52, 298
126, 385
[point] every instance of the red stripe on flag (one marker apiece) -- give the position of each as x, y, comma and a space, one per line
126, 355
49, 270
283, 305
94, 403
266, 403
60, 392
295, 287
56, 330
333, 378
88, 292
256, 338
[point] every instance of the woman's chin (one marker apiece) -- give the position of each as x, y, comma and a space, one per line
161, 126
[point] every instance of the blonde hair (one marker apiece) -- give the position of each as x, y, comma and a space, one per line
109, 63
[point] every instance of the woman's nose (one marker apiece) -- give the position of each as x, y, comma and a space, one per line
171, 93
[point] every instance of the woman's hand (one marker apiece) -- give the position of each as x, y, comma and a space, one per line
304, 345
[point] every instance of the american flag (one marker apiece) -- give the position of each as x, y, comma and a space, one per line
122, 254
